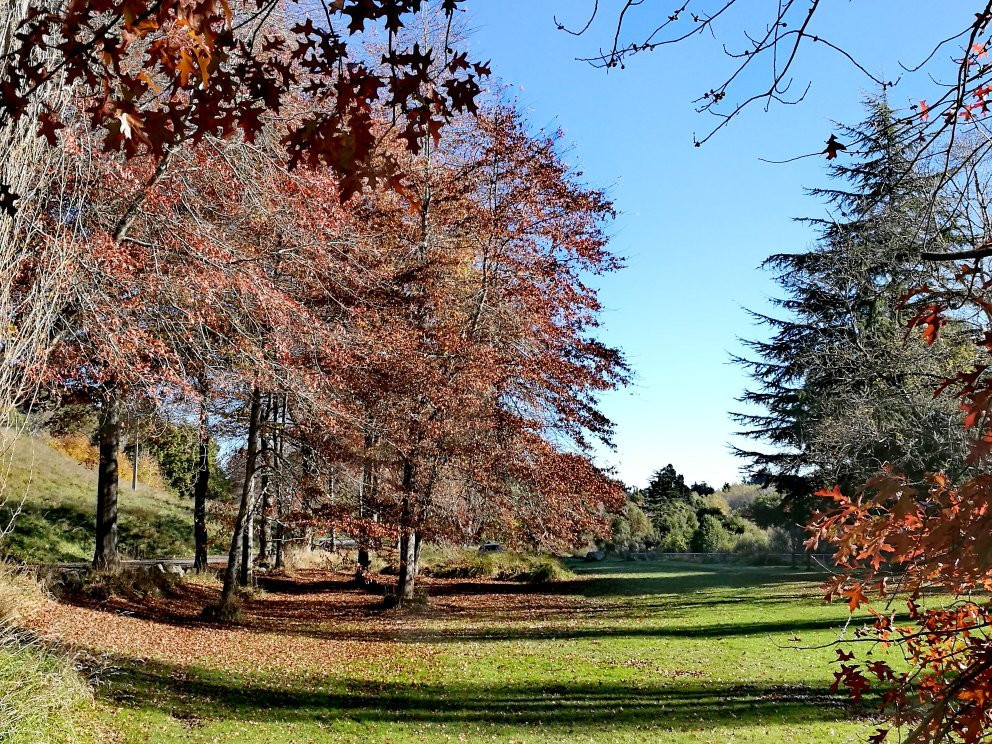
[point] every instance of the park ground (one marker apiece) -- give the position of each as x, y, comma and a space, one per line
661, 652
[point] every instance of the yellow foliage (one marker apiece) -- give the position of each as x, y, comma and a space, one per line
78, 447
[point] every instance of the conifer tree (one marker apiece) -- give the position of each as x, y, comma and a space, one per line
841, 390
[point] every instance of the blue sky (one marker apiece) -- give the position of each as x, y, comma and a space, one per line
695, 223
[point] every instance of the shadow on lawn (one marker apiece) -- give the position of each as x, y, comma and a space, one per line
185, 695
624, 579
330, 607
526, 631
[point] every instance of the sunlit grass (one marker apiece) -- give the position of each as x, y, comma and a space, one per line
630, 652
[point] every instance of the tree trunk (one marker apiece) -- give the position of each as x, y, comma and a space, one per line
406, 581
364, 497
417, 539
265, 523
247, 493
106, 555
200, 495
246, 577
280, 532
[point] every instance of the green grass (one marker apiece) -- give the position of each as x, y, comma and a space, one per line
43, 699
57, 498
629, 652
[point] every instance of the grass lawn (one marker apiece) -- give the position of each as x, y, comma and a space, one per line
57, 499
660, 652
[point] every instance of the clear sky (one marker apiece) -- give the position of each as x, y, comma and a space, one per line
695, 223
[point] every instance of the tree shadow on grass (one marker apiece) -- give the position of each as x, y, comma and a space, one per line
556, 630
632, 579
191, 694
626, 579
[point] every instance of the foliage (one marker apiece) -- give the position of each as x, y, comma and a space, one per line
130, 583
840, 388
711, 536
176, 452
632, 529
739, 496
468, 563
207, 76
666, 484
925, 519
676, 525
753, 541
699, 519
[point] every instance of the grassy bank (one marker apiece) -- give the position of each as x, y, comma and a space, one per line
56, 497
43, 697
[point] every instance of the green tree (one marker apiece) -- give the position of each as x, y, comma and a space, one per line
676, 524
666, 484
633, 528
840, 388
711, 536
176, 451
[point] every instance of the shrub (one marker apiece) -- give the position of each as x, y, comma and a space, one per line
135, 583
466, 563
226, 613
712, 536
632, 529
177, 453
78, 447
676, 522
300, 557
754, 540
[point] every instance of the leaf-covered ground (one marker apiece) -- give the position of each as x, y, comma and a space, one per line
628, 652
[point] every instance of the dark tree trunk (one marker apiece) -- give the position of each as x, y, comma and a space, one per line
266, 481
200, 495
106, 555
365, 495
247, 494
280, 531
417, 539
407, 579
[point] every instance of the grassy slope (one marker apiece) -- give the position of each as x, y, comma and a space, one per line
56, 520
652, 652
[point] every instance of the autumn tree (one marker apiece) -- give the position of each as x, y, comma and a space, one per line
150, 78
478, 345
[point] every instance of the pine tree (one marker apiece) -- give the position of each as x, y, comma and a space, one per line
842, 390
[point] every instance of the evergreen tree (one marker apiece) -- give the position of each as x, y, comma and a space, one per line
842, 390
